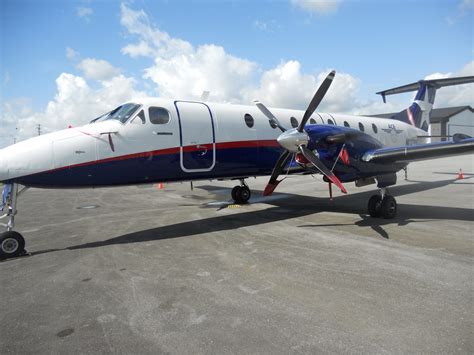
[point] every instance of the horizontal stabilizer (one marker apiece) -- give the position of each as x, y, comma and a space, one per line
419, 152
436, 83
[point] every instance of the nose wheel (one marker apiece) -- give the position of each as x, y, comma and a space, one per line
241, 194
11, 243
383, 205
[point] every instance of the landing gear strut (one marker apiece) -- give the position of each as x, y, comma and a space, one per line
241, 193
11, 243
383, 205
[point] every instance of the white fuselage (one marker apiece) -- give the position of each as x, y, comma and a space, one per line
202, 128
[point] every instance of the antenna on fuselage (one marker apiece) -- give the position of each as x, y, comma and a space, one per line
205, 95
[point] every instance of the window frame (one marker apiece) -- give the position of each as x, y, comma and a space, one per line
160, 107
292, 120
134, 117
375, 129
246, 115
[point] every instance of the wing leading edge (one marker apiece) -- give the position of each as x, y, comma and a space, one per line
419, 152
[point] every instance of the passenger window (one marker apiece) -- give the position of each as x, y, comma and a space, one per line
294, 122
158, 115
346, 124
374, 128
249, 120
330, 121
312, 121
361, 127
272, 124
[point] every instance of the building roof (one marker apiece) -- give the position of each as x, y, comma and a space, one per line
437, 114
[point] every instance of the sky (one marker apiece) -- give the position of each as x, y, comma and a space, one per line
65, 62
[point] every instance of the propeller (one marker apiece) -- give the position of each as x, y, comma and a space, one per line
296, 140
269, 115
317, 98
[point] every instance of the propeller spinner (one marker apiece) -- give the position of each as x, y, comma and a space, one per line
296, 140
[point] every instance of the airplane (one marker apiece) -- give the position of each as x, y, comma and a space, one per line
160, 140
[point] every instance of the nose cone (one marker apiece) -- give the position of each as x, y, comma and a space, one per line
292, 139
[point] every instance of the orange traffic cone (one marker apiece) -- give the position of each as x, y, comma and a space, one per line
160, 186
460, 175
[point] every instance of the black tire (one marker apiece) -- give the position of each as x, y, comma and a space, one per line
389, 207
374, 206
234, 193
11, 244
242, 195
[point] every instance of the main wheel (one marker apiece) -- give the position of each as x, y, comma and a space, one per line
388, 208
233, 193
242, 194
11, 244
374, 206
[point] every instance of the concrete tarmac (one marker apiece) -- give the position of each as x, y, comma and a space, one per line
139, 270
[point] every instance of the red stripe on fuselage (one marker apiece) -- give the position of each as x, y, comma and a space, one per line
176, 150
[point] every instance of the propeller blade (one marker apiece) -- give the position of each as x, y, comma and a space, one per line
318, 96
308, 154
277, 170
271, 117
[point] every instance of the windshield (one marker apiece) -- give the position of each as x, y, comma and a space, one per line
121, 113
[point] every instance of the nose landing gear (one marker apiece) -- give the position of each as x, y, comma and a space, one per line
11, 243
383, 205
241, 193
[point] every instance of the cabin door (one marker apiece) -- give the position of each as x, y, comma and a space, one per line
197, 136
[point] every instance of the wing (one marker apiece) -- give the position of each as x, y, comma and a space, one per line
419, 152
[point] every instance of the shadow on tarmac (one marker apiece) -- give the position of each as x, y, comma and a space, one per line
290, 206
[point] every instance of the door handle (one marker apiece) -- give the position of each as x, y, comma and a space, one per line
163, 133
202, 147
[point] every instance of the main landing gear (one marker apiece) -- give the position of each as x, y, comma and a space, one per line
11, 243
241, 193
383, 205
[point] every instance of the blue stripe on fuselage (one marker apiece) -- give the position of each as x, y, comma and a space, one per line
236, 162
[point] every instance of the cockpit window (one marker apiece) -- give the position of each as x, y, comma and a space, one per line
158, 115
141, 116
121, 113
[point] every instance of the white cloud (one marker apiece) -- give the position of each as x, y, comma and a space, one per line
458, 95
466, 5
71, 54
287, 86
75, 103
262, 26
182, 70
84, 13
137, 50
319, 7
178, 69
97, 69
463, 9
266, 26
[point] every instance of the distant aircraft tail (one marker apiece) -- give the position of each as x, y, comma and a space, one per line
418, 113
